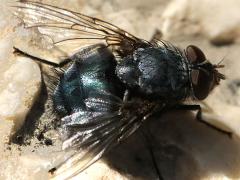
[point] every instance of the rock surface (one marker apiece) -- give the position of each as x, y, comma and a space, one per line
184, 149
20, 86
217, 20
20, 80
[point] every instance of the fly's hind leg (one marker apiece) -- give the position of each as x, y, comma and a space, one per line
147, 138
126, 95
83, 53
200, 119
20, 52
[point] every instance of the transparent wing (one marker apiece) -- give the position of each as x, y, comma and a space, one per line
63, 25
92, 133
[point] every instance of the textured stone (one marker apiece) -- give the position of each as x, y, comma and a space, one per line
20, 78
19, 87
218, 20
23, 167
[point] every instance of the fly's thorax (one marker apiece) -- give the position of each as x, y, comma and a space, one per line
156, 72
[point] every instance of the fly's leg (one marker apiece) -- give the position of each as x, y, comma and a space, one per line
200, 119
125, 99
18, 51
126, 96
147, 139
84, 53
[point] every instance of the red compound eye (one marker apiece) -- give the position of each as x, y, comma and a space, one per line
202, 78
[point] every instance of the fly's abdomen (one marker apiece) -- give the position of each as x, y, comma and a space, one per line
155, 72
91, 73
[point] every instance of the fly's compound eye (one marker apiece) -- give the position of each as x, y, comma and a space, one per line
202, 73
195, 55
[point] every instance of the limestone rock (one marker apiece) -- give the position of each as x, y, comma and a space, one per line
218, 20
20, 78
20, 86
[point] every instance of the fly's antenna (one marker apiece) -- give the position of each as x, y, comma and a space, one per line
219, 64
218, 75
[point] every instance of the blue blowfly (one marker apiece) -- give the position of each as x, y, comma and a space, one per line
111, 87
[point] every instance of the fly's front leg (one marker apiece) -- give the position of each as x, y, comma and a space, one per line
199, 117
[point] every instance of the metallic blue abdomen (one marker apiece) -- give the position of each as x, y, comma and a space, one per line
92, 72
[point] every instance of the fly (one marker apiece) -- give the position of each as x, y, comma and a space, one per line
116, 83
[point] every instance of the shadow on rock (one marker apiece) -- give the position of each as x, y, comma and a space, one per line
184, 149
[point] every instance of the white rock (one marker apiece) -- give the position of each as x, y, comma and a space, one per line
98, 170
19, 77
19, 87
23, 167
219, 20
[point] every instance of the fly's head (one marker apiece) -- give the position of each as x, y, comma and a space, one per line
204, 75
